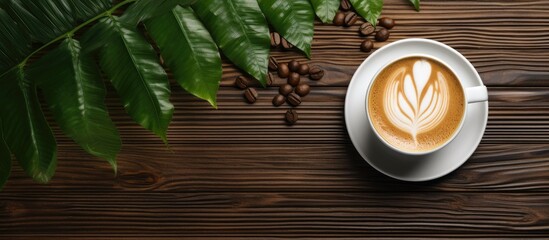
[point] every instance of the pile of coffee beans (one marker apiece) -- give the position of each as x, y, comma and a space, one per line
294, 89
346, 17
292, 92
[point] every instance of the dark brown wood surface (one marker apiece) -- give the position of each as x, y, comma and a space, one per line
240, 172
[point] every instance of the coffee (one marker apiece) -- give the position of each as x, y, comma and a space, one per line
416, 104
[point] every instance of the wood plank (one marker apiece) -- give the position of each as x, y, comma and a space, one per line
282, 167
274, 214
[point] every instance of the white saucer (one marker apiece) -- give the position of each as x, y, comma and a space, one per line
394, 164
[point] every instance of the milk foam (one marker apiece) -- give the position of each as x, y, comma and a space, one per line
416, 103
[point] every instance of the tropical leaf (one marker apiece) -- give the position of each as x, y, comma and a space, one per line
5, 161
85, 9
368, 9
189, 51
240, 30
294, 20
75, 93
145, 9
416, 4
14, 43
25, 129
133, 68
326, 9
44, 20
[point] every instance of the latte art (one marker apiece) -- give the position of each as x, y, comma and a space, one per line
416, 104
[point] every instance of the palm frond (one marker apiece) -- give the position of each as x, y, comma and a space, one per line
195, 59
133, 68
75, 93
25, 129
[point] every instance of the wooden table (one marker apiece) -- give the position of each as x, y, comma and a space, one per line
241, 172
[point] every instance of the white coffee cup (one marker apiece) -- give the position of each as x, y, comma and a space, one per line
472, 95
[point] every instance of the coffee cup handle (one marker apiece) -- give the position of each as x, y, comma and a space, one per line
476, 94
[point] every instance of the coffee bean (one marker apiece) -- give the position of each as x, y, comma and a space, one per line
286, 44
350, 19
276, 40
339, 19
251, 95
270, 79
303, 69
302, 89
345, 5
283, 70
273, 64
285, 89
294, 99
316, 73
279, 100
242, 82
366, 29
294, 79
291, 116
367, 45
382, 35
387, 22
294, 65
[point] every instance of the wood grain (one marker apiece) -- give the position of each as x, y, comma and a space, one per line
276, 214
240, 173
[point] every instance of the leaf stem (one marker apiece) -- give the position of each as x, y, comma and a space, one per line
74, 30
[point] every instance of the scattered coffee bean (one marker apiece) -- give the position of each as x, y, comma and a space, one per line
294, 79
285, 89
273, 64
366, 29
279, 100
350, 19
382, 35
242, 82
270, 79
291, 116
283, 70
294, 99
302, 89
251, 95
276, 40
345, 5
339, 19
286, 44
387, 22
367, 45
316, 73
303, 69
294, 65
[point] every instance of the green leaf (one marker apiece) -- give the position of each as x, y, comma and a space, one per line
14, 43
326, 9
75, 93
44, 20
189, 51
25, 129
86, 9
145, 9
368, 9
5, 161
240, 30
294, 20
416, 4
133, 68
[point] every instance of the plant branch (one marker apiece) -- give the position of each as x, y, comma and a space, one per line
73, 31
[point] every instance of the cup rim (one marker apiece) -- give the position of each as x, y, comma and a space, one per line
456, 132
